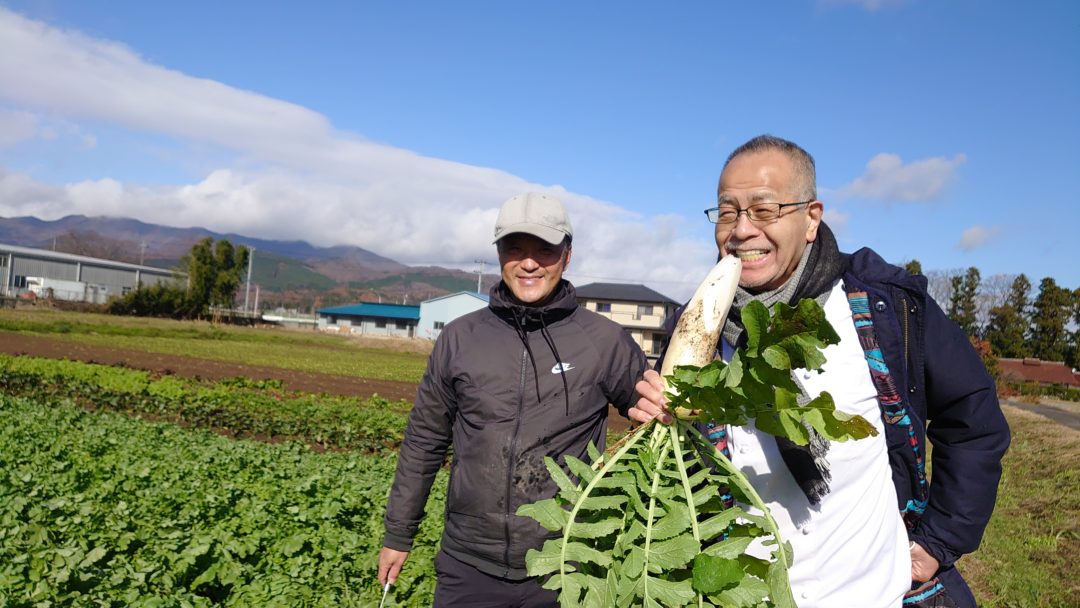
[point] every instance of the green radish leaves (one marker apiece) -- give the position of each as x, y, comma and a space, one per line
757, 385
647, 525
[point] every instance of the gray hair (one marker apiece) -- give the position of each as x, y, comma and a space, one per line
805, 171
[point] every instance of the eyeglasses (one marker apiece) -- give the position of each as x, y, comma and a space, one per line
761, 213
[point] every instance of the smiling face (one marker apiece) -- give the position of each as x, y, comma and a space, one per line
770, 252
532, 267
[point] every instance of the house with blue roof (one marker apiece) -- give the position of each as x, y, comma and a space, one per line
367, 318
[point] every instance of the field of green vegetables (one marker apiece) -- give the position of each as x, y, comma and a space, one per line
121, 487
99, 508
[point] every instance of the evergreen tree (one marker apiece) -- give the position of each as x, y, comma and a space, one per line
962, 302
213, 272
229, 265
953, 310
1050, 312
1009, 322
1072, 349
913, 267
201, 274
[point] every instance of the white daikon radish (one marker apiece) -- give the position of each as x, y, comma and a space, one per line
694, 340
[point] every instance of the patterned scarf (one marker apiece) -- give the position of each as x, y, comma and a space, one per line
818, 270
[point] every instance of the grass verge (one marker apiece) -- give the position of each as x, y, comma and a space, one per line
1030, 552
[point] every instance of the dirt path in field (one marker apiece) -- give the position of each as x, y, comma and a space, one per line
191, 367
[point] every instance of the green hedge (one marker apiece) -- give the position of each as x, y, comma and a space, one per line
1059, 391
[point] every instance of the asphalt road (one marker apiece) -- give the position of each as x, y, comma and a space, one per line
1062, 412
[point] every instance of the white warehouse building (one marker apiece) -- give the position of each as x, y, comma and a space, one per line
437, 312
66, 276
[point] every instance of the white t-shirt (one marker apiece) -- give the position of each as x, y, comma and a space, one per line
851, 550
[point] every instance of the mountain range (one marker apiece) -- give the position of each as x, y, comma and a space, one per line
292, 274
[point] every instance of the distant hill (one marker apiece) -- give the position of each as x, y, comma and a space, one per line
289, 273
164, 242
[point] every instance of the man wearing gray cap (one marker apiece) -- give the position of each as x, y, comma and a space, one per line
527, 377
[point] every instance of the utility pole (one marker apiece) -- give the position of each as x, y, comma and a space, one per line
479, 274
247, 289
142, 252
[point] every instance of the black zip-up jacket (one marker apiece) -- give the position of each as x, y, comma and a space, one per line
496, 389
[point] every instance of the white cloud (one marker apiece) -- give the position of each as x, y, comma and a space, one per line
887, 178
836, 219
291, 175
977, 236
16, 127
610, 245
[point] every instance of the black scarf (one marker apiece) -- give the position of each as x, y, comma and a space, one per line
819, 269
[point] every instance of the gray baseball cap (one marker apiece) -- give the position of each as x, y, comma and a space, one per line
540, 215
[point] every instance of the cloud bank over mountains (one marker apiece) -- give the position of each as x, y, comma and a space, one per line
288, 173
269, 168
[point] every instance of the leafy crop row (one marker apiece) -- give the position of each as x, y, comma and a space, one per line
103, 509
245, 409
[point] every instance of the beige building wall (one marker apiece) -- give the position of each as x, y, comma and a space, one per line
644, 321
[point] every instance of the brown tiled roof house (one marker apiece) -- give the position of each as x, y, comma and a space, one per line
1036, 370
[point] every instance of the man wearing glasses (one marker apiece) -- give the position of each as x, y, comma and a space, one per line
867, 528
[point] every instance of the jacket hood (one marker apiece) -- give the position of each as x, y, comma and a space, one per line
561, 305
868, 265
527, 319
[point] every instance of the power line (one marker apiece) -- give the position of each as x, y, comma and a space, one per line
630, 281
570, 273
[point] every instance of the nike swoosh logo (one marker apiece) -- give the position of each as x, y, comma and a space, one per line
562, 367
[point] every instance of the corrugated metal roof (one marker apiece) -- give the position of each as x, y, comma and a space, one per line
369, 309
1034, 370
82, 259
482, 297
625, 292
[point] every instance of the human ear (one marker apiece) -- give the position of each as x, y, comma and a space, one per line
814, 211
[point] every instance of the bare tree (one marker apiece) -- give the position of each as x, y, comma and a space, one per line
993, 292
940, 284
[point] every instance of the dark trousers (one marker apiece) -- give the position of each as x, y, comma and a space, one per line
460, 585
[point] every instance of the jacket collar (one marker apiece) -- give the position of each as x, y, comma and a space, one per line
561, 305
870, 267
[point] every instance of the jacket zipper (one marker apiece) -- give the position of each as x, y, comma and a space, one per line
909, 311
907, 361
512, 456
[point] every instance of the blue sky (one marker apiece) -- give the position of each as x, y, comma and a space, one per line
944, 130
